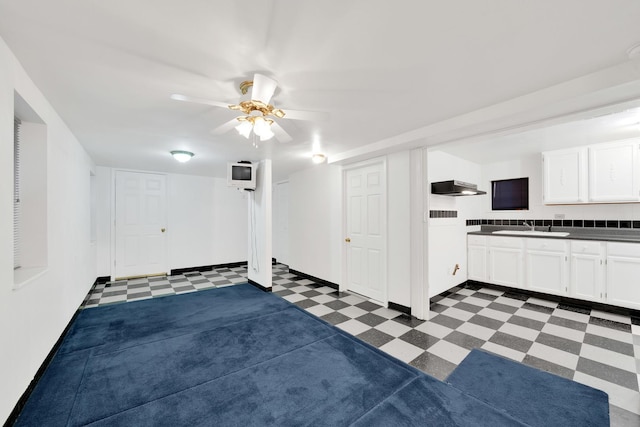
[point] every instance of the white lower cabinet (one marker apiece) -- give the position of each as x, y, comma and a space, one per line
505, 261
546, 262
587, 270
477, 258
607, 272
623, 274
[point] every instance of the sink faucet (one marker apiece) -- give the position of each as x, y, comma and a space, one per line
533, 228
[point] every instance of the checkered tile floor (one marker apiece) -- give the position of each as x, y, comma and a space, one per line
596, 348
145, 288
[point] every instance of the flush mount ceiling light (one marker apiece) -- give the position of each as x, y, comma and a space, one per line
317, 156
182, 156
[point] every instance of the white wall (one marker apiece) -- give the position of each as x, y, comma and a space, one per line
33, 316
206, 221
447, 237
229, 223
315, 222
281, 222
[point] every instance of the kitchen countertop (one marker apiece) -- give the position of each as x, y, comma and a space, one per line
600, 234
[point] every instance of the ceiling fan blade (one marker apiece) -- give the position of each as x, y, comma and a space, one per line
225, 127
263, 88
196, 100
314, 116
280, 133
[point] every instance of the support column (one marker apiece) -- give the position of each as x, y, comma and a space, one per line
260, 229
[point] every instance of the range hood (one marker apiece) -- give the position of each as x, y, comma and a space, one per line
455, 188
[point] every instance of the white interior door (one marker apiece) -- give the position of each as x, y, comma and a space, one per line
140, 225
366, 231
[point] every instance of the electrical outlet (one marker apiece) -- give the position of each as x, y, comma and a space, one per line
558, 216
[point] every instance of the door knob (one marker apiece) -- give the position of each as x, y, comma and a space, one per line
348, 240
163, 229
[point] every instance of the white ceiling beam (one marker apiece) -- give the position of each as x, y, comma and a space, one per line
559, 103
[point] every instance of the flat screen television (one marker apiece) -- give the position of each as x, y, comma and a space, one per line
241, 175
510, 194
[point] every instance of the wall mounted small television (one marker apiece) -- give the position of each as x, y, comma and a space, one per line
510, 194
241, 175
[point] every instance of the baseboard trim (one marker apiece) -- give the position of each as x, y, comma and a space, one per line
259, 286
315, 279
17, 409
101, 280
399, 307
572, 302
176, 271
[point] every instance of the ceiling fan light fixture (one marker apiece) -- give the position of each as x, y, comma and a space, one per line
266, 134
244, 128
260, 126
182, 156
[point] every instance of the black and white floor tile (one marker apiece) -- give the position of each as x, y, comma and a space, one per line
149, 287
593, 347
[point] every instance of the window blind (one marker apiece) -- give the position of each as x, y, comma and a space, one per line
16, 193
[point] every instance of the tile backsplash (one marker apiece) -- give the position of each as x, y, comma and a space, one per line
585, 223
443, 214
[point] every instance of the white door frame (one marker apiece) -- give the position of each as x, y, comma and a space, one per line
346, 168
112, 219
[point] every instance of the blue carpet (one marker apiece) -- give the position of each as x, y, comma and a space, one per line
235, 356
535, 397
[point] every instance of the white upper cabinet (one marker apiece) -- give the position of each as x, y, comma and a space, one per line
600, 173
565, 176
613, 171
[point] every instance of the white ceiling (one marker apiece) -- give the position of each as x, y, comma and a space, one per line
379, 68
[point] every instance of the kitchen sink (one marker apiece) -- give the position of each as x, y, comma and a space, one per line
533, 233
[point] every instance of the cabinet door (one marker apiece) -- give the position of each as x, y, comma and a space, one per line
505, 261
613, 172
587, 271
623, 287
546, 266
477, 263
505, 267
565, 176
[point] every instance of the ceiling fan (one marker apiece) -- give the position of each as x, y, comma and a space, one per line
258, 114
